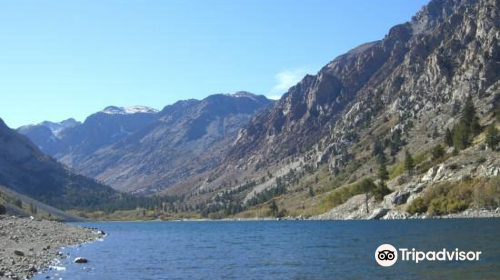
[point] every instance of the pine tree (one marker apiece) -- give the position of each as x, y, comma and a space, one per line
409, 162
381, 158
492, 136
461, 136
469, 117
383, 174
448, 138
377, 147
273, 208
467, 127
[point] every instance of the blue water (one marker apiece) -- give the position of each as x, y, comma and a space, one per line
281, 250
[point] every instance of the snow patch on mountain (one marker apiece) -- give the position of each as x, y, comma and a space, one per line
113, 110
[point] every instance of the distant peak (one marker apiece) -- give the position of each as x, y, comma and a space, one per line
242, 94
114, 110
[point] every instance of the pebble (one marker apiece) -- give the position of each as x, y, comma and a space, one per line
28, 246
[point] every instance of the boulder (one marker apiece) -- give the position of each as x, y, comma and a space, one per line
19, 253
440, 173
400, 197
377, 213
430, 174
80, 260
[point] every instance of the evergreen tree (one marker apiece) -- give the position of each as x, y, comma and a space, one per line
367, 186
409, 162
33, 209
383, 174
492, 136
18, 203
469, 117
381, 158
3, 210
448, 138
461, 136
378, 148
467, 127
273, 208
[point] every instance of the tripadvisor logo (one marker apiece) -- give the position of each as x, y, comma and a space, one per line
387, 255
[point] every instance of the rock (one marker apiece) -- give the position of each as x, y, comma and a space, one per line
400, 197
418, 188
80, 260
377, 213
19, 253
440, 173
430, 174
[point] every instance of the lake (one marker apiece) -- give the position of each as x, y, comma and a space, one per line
281, 250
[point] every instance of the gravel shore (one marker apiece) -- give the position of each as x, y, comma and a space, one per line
28, 245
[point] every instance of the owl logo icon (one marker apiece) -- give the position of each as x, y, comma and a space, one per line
386, 255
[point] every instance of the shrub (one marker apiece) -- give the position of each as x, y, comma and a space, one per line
456, 206
342, 194
453, 197
437, 152
3, 210
492, 137
438, 206
380, 191
481, 160
417, 206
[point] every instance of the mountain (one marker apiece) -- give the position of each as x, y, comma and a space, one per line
21, 205
400, 95
100, 130
448, 51
69, 141
186, 139
45, 134
405, 124
25, 170
57, 127
139, 149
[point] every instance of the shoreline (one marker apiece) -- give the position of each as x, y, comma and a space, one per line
29, 246
396, 215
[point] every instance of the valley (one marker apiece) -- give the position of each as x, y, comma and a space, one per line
403, 127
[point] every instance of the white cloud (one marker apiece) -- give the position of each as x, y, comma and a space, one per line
285, 80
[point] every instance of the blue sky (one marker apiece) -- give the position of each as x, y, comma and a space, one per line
61, 59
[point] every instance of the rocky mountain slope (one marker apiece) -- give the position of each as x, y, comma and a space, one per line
45, 134
405, 124
187, 138
398, 95
448, 51
25, 170
69, 141
138, 149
